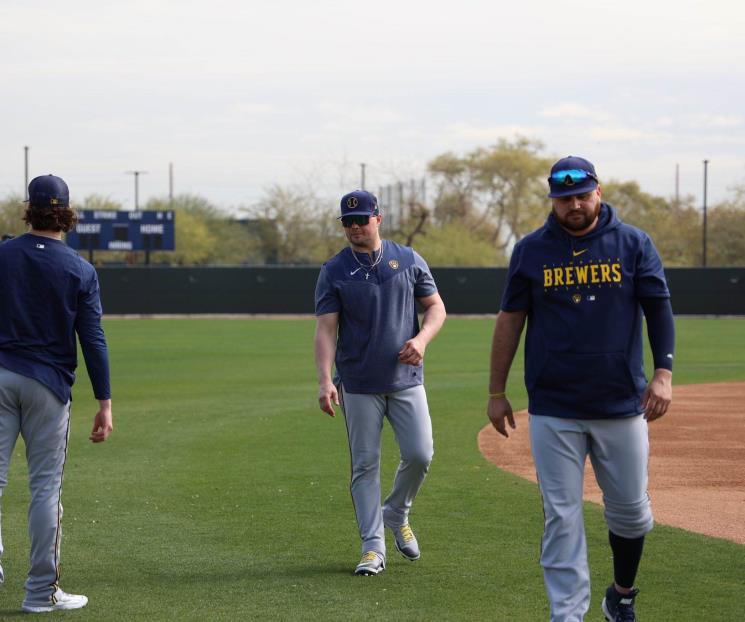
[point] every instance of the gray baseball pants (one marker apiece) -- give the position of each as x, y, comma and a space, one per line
29, 408
619, 451
408, 414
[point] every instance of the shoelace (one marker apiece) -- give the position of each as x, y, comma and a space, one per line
406, 533
369, 557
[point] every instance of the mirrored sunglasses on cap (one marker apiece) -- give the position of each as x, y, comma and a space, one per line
359, 220
572, 176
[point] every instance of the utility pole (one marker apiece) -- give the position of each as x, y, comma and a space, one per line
362, 180
706, 175
25, 175
137, 186
170, 185
677, 185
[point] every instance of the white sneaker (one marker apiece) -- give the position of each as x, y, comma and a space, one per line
59, 600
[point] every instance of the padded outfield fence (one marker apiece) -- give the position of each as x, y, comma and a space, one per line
147, 290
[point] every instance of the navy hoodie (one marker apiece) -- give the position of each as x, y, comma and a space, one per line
583, 348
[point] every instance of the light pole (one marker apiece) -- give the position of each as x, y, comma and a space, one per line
706, 175
362, 175
137, 186
170, 185
25, 169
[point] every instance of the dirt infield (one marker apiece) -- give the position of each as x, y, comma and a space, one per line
696, 467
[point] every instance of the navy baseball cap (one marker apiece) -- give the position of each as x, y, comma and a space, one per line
48, 191
572, 175
359, 203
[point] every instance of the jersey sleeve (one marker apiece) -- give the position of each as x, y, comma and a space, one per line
661, 330
649, 279
516, 296
424, 284
92, 338
327, 298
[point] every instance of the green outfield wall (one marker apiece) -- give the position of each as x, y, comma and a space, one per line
267, 289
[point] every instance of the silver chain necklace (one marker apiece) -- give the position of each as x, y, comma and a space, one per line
367, 269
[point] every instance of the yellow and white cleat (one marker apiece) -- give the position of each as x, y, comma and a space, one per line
406, 542
372, 563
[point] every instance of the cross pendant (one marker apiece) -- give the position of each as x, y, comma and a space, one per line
367, 275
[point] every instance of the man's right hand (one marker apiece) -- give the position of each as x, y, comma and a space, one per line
327, 397
498, 410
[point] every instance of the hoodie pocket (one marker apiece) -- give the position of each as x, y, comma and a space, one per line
586, 379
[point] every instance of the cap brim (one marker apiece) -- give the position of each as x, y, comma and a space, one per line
568, 191
357, 213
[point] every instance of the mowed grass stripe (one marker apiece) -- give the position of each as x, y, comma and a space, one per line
223, 493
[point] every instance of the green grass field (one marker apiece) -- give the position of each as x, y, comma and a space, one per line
223, 492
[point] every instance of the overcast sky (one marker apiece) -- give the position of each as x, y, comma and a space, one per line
239, 95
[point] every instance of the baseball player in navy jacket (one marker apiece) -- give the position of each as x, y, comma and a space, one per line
48, 295
583, 282
367, 325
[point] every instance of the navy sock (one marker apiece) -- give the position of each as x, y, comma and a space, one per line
627, 553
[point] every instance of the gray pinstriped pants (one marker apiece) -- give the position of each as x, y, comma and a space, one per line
408, 414
28, 408
619, 452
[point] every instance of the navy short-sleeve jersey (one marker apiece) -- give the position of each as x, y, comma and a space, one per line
583, 348
377, 315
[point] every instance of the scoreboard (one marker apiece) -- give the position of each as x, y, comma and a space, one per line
112, 230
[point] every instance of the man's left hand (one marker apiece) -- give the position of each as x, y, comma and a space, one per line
413, 352
658, 395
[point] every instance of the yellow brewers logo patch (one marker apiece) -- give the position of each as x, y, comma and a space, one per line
591, 273
352, 202
393, 263
576, 298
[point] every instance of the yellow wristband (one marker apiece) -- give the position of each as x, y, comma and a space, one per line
497, 395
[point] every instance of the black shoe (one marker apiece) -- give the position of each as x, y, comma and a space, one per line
619, 607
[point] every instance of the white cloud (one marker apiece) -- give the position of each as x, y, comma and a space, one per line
573, 110
718, 121
698, 121
664, 122
486, 134
623, 134
357, 119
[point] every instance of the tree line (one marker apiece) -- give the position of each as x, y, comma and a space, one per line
484, 201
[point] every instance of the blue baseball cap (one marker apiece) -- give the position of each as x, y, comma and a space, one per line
359, 203
48, 191
572, 175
